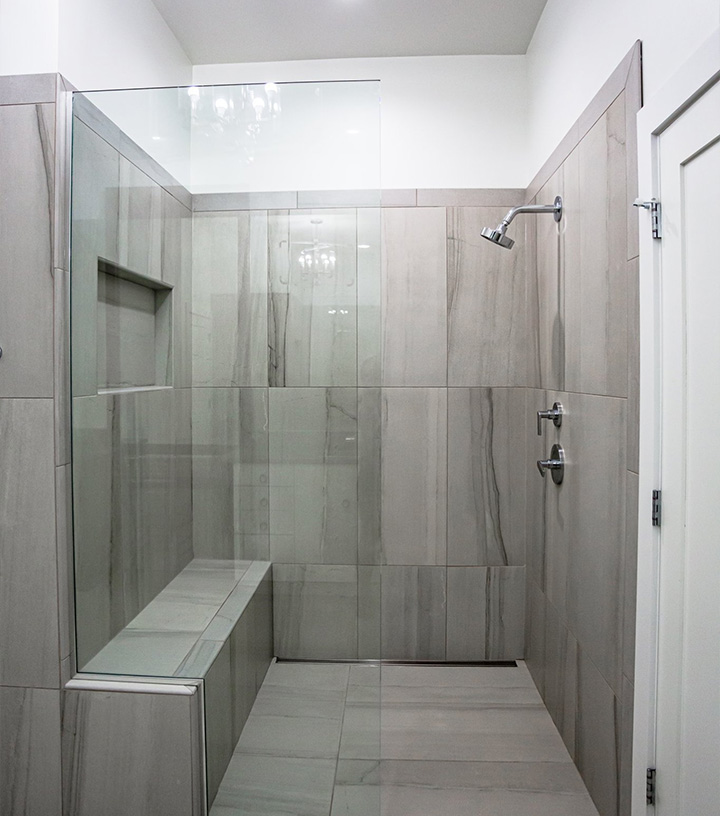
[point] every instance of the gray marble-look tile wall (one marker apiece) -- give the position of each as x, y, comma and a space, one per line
29, 653
133, 505
582, 536
106, 731
230, 473
312, 298
229, 307
486, 302
30, 775
26, 262
358, 476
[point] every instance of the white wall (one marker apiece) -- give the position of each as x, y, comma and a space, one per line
578, 43
28, 37
446, 121
118, 44
93, 43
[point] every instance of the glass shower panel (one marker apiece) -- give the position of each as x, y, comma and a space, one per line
226, 355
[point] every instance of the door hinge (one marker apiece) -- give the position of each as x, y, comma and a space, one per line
656, 508
650, 786
655, 214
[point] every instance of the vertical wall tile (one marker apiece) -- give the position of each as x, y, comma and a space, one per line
176, 269
312, 306
229, 307
536, 527
30, 776
66, 582
485, 613
630, 577
61, 280
598, 735
369, 476
626, 745
231, 490
413, 613
369, 607
546, 304
95, 214
486, 476
26, 201
414, 475
140, 221
103, 733
535, 605
133, 506
315, 611
414, 297
219, 744
596, 295
486, 302
313, 475
560, 687
28, 559
369, 296
595, 528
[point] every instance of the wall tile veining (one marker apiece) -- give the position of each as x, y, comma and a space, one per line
581, 546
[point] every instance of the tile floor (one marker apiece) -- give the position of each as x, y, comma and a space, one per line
331, 740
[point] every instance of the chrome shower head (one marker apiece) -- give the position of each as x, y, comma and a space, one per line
498, 237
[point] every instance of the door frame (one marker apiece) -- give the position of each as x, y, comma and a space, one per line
696, 76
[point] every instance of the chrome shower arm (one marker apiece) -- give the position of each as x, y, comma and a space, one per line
529, 208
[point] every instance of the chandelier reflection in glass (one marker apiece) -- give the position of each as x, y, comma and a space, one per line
234, 118
318, 259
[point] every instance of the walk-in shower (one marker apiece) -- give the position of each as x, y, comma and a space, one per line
498, 236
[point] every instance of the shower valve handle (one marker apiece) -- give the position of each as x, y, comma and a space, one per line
555, 414
556, 464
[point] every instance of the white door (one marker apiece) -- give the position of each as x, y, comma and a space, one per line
688, 682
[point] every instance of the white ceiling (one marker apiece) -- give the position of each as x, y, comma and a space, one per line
218, 31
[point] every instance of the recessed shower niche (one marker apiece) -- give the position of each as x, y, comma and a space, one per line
134, 329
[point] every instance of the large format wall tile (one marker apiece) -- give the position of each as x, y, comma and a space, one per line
485, 613
231, 490
596, 283
133, 505
26, 293
369, 475
30, 776
312, 314
177, 270
105, 732
546, 284
414, 475
139, 222
486, 476
560, 676
369, 296
413, 613
598, 736
95, 214
29, 654
414, 297
486, 302
313, 475
315, 611
585, 527
630, 567
229, 274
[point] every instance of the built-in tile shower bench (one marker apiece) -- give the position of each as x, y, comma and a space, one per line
156, 714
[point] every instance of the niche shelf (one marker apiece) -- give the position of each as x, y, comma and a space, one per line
134, 330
